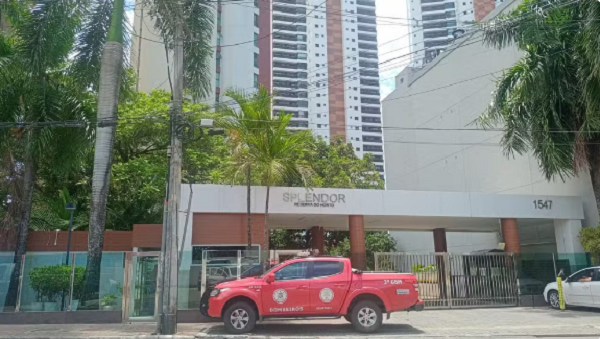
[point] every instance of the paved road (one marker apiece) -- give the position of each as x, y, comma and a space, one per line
513, 323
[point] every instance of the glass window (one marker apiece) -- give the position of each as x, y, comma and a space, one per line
293, 271
583, 276
218, 80
256, 80
256, 39
302, 55
256, 20
255, 60
327, 268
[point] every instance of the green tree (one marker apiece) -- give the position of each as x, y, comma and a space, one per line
549, 102
590, 240
35, 93
374, 242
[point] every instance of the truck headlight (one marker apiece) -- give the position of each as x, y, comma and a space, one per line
215, 292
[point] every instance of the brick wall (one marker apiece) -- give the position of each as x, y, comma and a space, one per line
226, 228
483, 8
50, 241
335, 55
358, 252
147, 236
510, 234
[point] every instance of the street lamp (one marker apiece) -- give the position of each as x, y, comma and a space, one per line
70, 207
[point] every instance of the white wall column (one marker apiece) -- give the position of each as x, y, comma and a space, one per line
567, 236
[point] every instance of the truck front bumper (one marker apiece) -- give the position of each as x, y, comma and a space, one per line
419, 306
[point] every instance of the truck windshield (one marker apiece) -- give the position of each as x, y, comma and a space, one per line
270, 270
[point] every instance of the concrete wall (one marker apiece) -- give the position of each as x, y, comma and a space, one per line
458, 242
451, 93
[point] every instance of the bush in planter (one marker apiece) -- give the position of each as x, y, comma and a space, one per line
50, 282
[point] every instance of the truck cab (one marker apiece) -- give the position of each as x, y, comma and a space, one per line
320, 287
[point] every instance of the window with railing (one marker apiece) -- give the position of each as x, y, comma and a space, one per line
370, 55
436, 43
377, 158
298, 123
370, 110
365, 11
371, 138
371, 129
436, 7
367, 29
367, 37
379, 168
372, 148
368, 64
434, 17
362, 20
368, 73
435, 34
365, 3
369, 101
372, 120
289, 19
278, 54
369, 91
286, 103
368, 82
372, 47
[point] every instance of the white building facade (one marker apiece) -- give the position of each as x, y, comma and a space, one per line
437, 149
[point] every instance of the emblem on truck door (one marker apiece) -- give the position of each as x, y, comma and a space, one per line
280, 296
326, 295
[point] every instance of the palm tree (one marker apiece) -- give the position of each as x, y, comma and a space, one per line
247, 119
275, 152
99, 64
549, 102
36, 97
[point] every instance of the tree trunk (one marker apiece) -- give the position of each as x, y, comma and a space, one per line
23, 230
248, 191
266, 232
108, 97
594, 162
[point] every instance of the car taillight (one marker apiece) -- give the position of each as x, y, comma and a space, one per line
416, 286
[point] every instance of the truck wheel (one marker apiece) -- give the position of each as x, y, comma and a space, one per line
366, 316
239, 318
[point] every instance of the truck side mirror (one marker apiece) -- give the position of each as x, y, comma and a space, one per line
270, 278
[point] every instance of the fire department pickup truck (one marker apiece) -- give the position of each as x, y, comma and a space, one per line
319, 287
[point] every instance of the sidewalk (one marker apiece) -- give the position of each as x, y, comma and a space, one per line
510, 323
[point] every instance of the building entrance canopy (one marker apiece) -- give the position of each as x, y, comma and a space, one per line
382, 210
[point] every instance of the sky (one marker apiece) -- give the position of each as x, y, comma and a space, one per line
392, 36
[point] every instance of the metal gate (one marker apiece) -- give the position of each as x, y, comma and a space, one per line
448, 280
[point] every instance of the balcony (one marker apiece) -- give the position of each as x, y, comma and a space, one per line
289, 84
370, 110
297, 20
365, 3
367, 46
371, 129
371, 138
287, 103
291, 28
435, 34
430, 1
369, 55
292, 94
367, 82
377, 158
365, 37
437, 7
298, 123
367, 64
289, 37
367, 29
363, 20
440, 43
294, 75
291, 2
299, 115
366, 73
371, 120
370, 101
364, 11
372, 148
288, 65
290, 10
367, 91
299, 47
379, 168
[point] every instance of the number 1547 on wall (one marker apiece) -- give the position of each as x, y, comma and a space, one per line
542, 204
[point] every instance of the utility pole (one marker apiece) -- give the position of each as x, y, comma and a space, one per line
169, 273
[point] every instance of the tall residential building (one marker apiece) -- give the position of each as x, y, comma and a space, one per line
318, 57
436, 23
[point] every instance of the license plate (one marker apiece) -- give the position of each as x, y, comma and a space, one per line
402, 291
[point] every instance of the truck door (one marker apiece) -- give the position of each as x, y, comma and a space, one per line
288, 294
328, 287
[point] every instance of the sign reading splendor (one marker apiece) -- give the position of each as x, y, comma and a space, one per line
314, 199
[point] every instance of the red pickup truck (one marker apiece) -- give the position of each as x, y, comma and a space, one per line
319, 287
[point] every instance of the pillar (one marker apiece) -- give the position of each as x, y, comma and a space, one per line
317, 239
510, 234
439, 240
358, 255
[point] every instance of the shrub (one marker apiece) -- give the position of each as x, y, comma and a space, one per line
48, 282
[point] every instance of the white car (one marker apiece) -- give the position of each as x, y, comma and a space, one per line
581, 288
